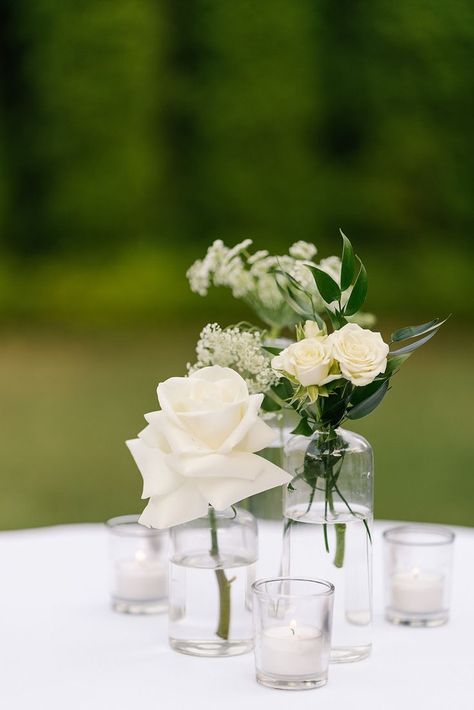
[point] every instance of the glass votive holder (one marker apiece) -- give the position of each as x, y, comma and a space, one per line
418, 568
138, 566
292, 620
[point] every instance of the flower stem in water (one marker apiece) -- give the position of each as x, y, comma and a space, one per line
340, 544
224, 584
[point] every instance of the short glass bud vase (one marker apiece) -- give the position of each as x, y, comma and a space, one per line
293, 619
327, 529
138, 566
418, 567
212, 569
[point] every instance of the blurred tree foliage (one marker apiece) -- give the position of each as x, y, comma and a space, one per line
133, 132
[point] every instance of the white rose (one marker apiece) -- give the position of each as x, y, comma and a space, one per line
308, 361
361, 354
199, 449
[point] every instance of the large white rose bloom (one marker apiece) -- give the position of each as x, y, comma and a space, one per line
200, 448
361, 353
308, 361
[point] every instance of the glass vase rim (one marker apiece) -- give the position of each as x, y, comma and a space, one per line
327, 592
122, 525
324, 429
445, 535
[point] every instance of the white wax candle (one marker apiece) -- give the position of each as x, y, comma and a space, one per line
417, 592
140, 579
290, 651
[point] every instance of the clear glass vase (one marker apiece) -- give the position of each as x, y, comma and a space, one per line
269, 504
327, 529
212, 568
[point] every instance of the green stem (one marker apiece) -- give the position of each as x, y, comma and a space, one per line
224, 584
340, 544
340, 528
274, 332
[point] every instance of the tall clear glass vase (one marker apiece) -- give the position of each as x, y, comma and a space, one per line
212, 568
268, 505
328, 513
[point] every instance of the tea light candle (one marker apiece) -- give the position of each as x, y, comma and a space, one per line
417, 592
140, 579
291, 650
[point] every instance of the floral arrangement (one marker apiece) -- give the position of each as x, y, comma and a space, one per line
251, 278
198, 454
328, 377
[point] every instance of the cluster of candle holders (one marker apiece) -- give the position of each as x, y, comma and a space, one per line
212, 595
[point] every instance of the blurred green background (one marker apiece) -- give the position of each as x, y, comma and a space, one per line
134, 133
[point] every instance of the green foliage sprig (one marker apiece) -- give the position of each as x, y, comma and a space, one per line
328, 406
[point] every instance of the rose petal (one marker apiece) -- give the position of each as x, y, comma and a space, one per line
247, 422
158, 477
258, 437
153, 436
235, 465
178, 439
224, 492
214, 428
180, 506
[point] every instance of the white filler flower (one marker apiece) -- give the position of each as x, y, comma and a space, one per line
239, 349
200, 448
361, 353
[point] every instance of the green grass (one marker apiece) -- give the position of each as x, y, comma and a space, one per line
70, 401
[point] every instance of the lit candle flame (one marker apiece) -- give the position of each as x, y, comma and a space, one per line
140, 556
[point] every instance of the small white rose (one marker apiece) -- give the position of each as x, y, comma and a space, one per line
312, 330
200, 448
308, 361
361, 354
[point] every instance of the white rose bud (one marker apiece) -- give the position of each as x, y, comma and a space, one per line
312, 330
361, 354
308, 361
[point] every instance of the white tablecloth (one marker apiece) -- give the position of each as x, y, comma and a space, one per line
63, 648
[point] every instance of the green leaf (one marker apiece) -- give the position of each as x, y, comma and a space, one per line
327, 287
269, 404
296, 284
284, 389
272, 350
348, 262
360, 394
369, 404
413, 331
334, 413
288, 288
393, 364
414, 346
358, 293
303, 428
308, 315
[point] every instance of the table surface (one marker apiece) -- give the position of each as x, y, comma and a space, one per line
63, 648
